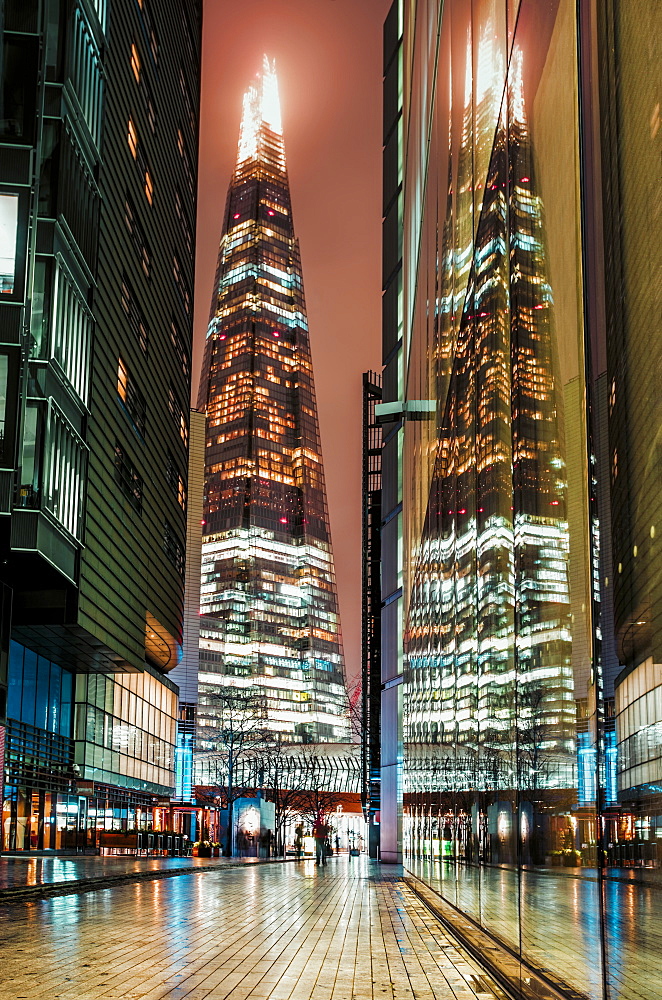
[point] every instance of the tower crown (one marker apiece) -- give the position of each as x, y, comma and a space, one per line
261, 114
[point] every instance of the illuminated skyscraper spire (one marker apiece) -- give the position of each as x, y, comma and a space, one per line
268, 584
261, 112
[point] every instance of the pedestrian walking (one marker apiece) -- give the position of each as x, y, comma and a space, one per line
320, 833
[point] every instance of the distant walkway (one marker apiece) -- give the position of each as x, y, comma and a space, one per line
23, 878
349, 931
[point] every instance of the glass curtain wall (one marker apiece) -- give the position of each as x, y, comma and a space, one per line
502, 679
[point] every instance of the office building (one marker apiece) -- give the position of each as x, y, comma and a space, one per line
185, 674
520, 489
371, 608
268, 596
97, 194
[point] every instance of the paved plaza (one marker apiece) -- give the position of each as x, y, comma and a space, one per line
350, 931
27, 871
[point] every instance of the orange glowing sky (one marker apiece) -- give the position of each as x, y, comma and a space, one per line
329, 61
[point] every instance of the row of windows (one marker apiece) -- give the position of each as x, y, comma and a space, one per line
126, 475
134, 227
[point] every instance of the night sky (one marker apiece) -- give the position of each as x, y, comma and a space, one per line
329, 62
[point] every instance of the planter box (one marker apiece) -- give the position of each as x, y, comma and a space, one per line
112, 838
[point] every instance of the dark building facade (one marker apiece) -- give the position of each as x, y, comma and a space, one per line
268, 592
97, 191
520, 579
371, 610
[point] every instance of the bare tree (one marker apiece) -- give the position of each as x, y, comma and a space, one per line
316, 797
356, 712
238, 743
283, 781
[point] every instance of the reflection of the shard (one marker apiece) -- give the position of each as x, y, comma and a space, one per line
521, 551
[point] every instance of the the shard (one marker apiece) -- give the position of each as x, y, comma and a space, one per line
268, 594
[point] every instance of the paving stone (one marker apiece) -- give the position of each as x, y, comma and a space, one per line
273, 932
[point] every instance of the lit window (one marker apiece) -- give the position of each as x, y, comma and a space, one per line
132, 399
133, 138
8, 231
135, 62
122, 380
149, 186
173, 548
176, 481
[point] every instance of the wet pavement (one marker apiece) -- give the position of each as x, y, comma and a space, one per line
349, 931
19, 871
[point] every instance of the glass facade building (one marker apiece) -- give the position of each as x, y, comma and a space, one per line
268, 592
521, 588
98, 162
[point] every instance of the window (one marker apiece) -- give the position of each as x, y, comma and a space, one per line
184, 222
143, 85
178, 414
134, 314
137, 236
181, 352
150, 31
181, 284
8, 239
149, 104
127, 478
188, 100
149, 186
133, 138
65, 461
139, 157
71, 332
186, 159
173, 548
135, 62
18, 85
85, 72
131, 398
175, 481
